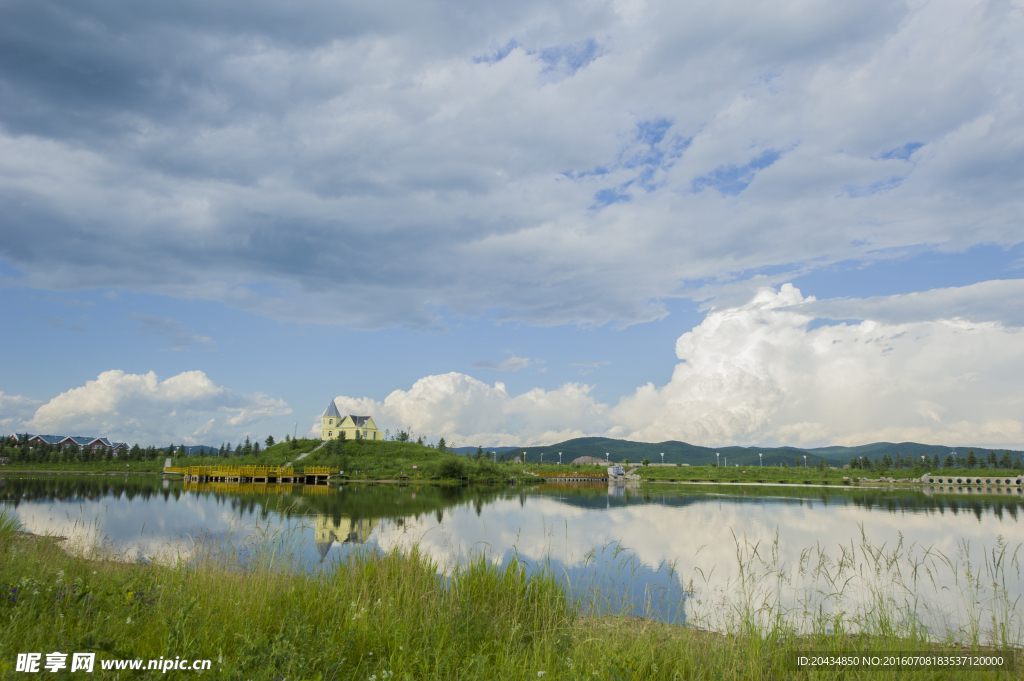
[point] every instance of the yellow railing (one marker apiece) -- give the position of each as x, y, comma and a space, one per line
249, 471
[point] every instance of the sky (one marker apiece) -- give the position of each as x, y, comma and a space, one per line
793, 223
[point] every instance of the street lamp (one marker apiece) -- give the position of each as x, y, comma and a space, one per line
663, 458
805, 461
606, 457
718, 461
559, 458
760, 458
542, 458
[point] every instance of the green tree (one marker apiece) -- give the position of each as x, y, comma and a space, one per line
1006, 461
269, 442
452, 468
626, 461
886, 462
972, 460
255, 448
821, 464
479, 453
247, 447
341, 435
948, 462
441, 445
646, 462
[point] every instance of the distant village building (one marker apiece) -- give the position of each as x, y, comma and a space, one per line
354, 427
83, 443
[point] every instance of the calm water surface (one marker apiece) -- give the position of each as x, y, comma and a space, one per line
641, 548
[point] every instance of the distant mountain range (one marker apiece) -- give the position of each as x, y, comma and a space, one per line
695, 455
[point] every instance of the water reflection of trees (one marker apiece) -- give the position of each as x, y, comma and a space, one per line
77, 488
378, 502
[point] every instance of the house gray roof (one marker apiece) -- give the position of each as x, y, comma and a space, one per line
332, 410
360, 421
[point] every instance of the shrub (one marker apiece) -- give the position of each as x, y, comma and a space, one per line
452, 468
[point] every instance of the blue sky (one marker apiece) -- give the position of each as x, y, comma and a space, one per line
726, 223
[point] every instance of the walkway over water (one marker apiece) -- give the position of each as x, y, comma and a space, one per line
311, 475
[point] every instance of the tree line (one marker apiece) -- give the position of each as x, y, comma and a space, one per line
969, 461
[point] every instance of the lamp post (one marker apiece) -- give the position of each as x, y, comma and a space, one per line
663, 458
760, 458
559, 458
606, 457
542, 458
718, 461
805, 461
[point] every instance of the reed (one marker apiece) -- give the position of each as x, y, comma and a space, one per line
258, 613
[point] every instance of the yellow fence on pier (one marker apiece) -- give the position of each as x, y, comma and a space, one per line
250, 472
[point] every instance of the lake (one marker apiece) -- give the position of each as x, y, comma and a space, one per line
708, 555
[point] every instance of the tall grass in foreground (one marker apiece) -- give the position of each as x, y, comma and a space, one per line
907, 593
9, 523
258, 614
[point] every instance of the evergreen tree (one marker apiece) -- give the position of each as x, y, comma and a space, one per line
239, 451
886, 462
441, 446
972, 460
949, 462
269, 441
993, 460
1006, 461
227, 450
479, 453
247, 447
287, 437
255, 448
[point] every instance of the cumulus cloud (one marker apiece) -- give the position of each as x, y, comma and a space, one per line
553, 162
764, 373
15, 412
188, 408
464, 410
760, 373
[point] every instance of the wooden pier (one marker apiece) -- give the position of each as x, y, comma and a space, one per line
310, 475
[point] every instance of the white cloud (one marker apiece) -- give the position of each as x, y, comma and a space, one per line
462, 409
15, 412
187, 408
615, 155
758, 374
762, 373
512, 363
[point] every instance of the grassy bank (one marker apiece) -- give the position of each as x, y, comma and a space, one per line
380, 617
